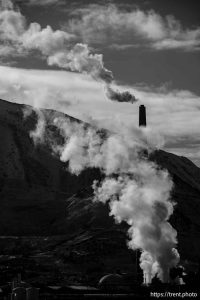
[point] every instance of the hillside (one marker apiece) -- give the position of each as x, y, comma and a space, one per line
34, 184
39, 197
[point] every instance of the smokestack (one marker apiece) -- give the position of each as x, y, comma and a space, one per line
142, 116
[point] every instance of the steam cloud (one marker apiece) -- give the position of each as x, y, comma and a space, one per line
140, 195
58, 47
137, 190
143, 202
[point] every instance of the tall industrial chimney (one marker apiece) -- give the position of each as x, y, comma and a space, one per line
142, 116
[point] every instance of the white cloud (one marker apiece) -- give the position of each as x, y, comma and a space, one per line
120, 47
49, 89
57, 47
12, 25
46, 40
43, 2
15, 32
187, 44
6, 50
172, 115
6, 4
117, 28
98, 23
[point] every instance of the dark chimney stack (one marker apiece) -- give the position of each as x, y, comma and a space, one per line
142, 116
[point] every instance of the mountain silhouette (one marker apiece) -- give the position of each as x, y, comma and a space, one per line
39, 196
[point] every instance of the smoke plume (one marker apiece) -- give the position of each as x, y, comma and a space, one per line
140, 195
137, 190
57, 47
144, 203
120, 96
37, 134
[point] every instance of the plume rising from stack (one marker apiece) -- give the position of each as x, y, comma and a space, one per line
137, 190
120, 96
57, 47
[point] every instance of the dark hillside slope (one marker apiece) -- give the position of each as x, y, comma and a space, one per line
34, 184
39, 197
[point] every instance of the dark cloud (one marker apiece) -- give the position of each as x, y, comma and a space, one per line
120, 96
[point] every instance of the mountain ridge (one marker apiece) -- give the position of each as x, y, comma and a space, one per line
38, 196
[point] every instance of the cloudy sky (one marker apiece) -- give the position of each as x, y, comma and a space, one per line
60, 53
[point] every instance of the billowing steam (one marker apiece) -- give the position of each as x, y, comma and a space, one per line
57, 47
80, 59
38, 133
137, 190
142, 199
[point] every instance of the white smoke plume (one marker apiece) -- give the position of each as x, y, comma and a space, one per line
80, 59
142, 199
57, 47
91, 147
37, 134
137, 190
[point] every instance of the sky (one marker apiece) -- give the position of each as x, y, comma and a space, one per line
61, 54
